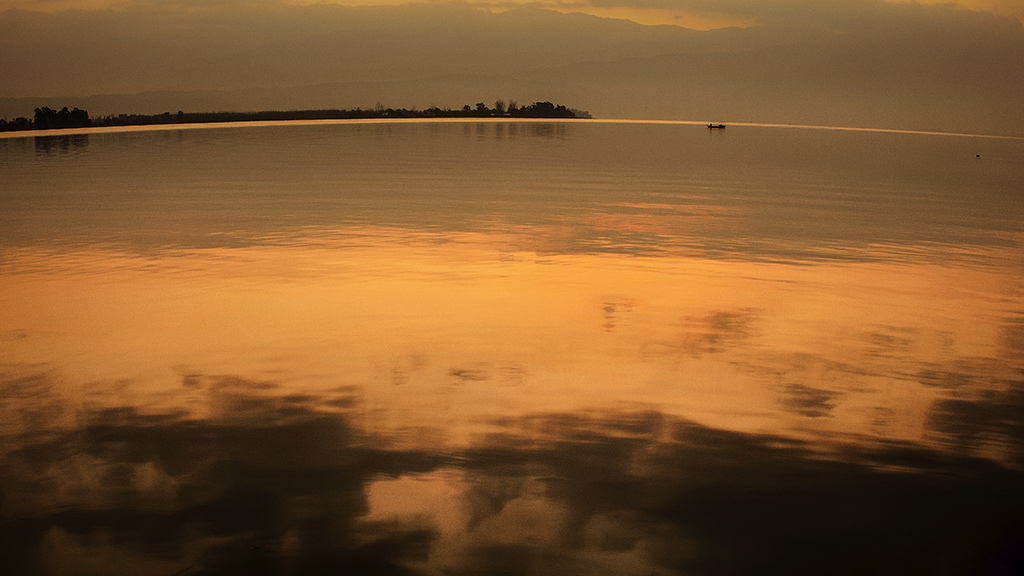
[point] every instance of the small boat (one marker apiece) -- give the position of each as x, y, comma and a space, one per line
716, 126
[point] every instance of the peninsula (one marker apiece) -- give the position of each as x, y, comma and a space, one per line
46, 118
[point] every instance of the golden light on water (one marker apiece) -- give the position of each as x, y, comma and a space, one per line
451, 335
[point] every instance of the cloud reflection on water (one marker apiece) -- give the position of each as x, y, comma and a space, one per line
267, 482
465, 328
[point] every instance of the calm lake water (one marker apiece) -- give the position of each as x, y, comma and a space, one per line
511, 348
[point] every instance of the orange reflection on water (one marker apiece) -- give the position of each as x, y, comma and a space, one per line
441, 335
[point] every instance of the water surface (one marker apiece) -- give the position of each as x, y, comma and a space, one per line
511, 348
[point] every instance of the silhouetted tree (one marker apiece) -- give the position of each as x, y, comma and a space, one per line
544, 110
47, 117
19, 123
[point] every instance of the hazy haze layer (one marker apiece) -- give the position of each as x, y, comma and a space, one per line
864, 63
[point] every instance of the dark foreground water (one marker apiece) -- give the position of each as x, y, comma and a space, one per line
511, 348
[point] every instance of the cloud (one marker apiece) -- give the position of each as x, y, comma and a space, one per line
834, 16
776, 10
262, 481
270, 483
678, 497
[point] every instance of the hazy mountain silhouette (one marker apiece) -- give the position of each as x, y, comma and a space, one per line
908, 65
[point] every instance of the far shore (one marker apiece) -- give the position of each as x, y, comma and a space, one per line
257, 123
48, 119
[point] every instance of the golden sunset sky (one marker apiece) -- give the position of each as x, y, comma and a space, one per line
945, 66
696, 14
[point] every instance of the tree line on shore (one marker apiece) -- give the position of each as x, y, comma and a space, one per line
46, 118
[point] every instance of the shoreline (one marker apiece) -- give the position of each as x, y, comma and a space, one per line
13, 134
267, 123
47, 118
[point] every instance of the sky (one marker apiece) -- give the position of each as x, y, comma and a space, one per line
697, 14
863, 63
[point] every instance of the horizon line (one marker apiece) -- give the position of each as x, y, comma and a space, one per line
807, 127
259, 123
